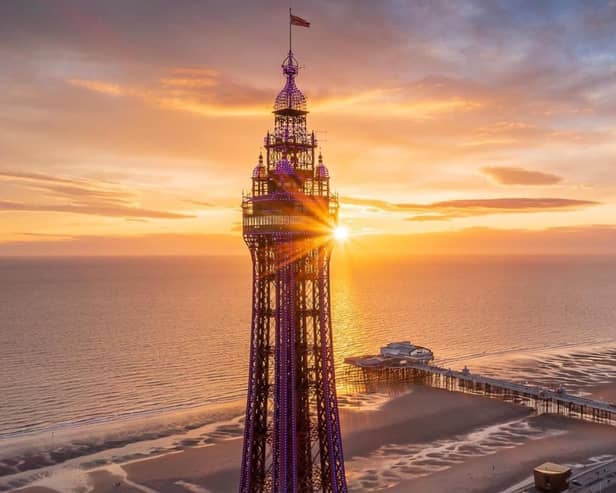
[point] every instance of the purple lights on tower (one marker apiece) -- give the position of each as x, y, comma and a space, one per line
292, 440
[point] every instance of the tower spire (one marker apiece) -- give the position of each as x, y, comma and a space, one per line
290, 24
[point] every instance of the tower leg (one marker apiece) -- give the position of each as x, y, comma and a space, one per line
292, 440
256, 430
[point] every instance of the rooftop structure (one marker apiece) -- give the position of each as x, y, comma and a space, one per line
551, 477
407, 351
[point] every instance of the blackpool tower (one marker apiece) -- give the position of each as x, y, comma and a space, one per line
292, 440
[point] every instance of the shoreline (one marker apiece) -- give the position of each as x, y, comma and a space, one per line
381, 430
363, 432
364, 429
415, 440
570, 365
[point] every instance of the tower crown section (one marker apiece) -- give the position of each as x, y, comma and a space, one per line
290, 98
289, 191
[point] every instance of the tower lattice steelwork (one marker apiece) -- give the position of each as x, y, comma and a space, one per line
292, 439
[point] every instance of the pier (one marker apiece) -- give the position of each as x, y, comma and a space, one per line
371, 370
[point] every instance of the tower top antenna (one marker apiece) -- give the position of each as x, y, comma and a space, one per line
290, 33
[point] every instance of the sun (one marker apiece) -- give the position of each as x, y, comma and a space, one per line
341, 233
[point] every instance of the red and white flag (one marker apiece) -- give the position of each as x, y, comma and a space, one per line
298, 21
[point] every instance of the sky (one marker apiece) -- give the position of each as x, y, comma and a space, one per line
467, 127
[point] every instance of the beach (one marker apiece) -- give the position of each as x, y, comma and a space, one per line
421, 440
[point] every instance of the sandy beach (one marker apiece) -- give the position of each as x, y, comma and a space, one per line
438, 415
424, 440
576, 443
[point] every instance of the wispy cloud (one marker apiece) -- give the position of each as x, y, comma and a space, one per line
200, 203
207, 93
398, 102
149, 244
520, 176
586, 240
101, 87
92, 209
368, 202
451, 209
78, 196
197, 90
68, 188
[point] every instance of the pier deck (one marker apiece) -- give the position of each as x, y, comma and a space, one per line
541, 399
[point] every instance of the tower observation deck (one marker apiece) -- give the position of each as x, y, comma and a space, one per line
292, 440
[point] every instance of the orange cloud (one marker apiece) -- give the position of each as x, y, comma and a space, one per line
200, 203
395, 102
372, 203
205, 92
78, 197
191, 78
584, 240
100, 86
520, 176
67, 188
450, 209
194, 90
151, 244
92, 209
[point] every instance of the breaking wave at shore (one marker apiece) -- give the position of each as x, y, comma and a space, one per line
71, 451
28, 460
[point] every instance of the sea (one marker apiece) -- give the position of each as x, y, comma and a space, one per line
100, 353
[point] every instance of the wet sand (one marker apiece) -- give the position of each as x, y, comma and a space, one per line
425, 416
493, 473
37, 489
427, 440
422, 415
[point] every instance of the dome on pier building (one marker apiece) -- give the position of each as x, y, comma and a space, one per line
290, 98
259, 170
